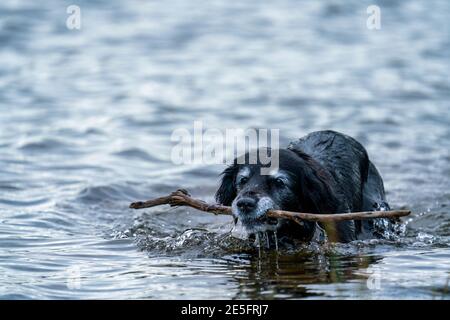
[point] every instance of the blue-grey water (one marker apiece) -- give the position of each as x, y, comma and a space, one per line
86, 118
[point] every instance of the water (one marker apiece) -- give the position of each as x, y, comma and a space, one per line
86, 118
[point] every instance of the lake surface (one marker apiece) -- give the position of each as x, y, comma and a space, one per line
86, 118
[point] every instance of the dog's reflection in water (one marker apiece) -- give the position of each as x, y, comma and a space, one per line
273, 274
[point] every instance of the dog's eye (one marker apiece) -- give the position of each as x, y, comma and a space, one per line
279, 182
242, 181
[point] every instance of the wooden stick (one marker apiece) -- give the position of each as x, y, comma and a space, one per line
182, 198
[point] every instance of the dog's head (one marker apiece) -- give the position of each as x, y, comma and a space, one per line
299, 184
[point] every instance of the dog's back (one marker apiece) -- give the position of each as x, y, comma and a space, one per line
356, 178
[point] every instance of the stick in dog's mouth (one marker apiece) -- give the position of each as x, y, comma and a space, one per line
182, 198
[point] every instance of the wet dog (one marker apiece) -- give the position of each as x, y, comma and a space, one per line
323, 172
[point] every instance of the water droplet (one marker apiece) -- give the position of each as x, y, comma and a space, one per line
276, 240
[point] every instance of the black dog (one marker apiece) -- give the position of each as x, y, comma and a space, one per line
323, 172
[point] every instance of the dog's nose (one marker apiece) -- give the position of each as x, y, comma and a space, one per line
246, 204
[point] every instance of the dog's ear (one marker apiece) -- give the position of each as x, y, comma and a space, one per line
318, 193
227, 190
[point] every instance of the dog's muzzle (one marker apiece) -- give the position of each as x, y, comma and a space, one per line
251, 211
